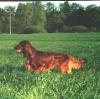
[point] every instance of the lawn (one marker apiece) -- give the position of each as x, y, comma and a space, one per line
17, 83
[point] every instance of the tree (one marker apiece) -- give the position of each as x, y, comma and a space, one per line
93, 16
20, 18
39, 15
2, 19
11, 13
50, 7
53, 16
29, 16
75, 6
64, 12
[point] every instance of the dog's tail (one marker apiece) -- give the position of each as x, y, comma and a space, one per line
75, 63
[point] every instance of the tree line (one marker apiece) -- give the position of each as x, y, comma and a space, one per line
35, 17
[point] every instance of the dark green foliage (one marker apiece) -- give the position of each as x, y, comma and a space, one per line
74, 29
78, 29
93, 29
30, 30
36, 17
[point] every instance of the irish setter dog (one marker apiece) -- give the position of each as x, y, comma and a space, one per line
40, 61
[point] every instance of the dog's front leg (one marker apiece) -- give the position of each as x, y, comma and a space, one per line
64, 67
28, 65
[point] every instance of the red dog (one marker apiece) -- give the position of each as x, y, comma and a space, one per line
40, 61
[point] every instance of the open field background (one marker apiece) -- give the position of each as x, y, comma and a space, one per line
17, 83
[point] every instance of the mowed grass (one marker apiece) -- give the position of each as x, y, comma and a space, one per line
17, 83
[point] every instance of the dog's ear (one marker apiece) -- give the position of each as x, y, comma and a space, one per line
27, 46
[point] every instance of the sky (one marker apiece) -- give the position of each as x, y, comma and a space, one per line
15, 3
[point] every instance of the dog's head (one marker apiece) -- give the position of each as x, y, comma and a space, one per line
22, 46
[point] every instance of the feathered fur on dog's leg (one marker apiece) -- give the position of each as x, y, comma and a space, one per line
28, 65
64, 67
74, 63
40, 69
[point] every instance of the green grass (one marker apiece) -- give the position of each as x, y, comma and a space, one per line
17, 83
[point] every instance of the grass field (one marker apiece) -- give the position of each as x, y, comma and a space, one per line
17, 83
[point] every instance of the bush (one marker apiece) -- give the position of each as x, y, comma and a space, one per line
79, 29
92, 29
66, 29
33, 29
75, 29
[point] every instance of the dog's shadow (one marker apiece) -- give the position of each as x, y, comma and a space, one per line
11, 69
16, 76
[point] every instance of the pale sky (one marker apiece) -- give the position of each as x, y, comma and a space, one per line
15, 3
